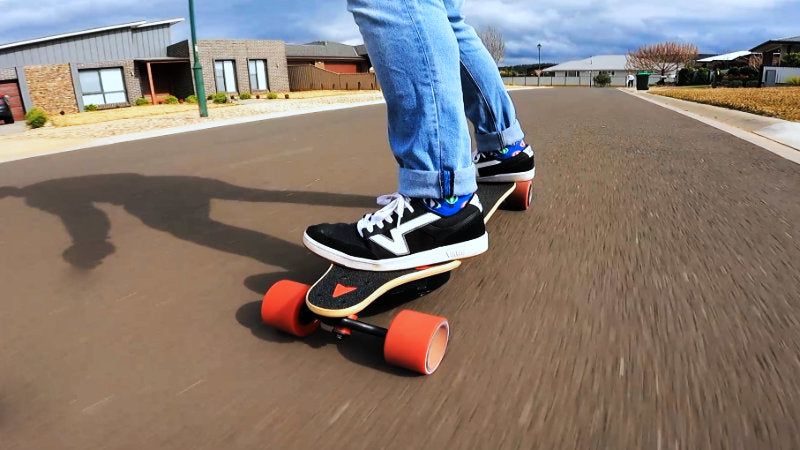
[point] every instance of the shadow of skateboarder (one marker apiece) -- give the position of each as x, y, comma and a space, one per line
178, 205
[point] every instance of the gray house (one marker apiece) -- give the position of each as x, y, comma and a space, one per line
112, 66
108, 66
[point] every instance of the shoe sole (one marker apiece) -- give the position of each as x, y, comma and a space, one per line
505, 177
450, 252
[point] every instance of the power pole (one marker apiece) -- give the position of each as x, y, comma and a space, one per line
198, 69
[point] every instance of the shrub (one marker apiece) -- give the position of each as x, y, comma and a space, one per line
272, 95
701, 76
791, 60
245, 96
210, 97
736, 83
35, 118
602, 79
733, 71
141, 101
90, 107
749, 72
220, 97
752, 83
793, 81
171, 100
685, 76
191, 99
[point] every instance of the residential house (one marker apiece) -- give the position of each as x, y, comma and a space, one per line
582, 72
727, 60
772, 51
332, 56
112, 66
107, 66
238, 65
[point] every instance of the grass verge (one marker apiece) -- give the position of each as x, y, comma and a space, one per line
780, 102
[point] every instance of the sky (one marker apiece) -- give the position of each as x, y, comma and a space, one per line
567, 29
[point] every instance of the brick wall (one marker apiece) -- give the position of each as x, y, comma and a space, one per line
129, 74
8, 74
51, 88
240, 51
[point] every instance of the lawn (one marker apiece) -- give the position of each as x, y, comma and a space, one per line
132, 112
780, 102
106, 115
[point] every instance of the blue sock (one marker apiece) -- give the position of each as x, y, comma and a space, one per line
448, 206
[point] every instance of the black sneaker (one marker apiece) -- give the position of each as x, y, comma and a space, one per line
405, 233
512, 163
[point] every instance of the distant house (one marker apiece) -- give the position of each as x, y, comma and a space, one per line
772, 51
332, 56
329, 65
724, 61
582, 71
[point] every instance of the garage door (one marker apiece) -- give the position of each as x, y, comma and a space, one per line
341, 68
11, 89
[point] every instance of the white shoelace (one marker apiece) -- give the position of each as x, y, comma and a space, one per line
391, 203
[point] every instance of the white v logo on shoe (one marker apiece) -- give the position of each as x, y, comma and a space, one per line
397, 244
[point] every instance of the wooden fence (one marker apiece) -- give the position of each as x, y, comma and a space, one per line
309, 78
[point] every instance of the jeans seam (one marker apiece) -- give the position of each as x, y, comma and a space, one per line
485, 103
433, 91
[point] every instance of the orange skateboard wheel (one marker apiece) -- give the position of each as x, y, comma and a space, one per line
522, 196
282, 305
416, 341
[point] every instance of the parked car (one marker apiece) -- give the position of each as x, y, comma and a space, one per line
5, 111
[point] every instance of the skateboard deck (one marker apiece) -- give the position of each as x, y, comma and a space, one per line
343, 291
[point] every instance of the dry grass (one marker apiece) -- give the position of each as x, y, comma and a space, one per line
780, 102
132, 112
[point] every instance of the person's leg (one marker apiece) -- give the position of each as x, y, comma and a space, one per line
416, 59
503, 153
434, 217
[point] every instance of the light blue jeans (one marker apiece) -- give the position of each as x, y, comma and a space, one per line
435, 72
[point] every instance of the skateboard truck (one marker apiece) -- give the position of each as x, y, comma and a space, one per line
344, 326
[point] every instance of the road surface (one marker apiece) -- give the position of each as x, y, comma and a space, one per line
650, 299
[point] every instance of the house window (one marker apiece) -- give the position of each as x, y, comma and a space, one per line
225, 76
258, 75
102, 86
572, 73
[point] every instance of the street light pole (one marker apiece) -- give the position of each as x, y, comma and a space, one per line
539, 77
198, 69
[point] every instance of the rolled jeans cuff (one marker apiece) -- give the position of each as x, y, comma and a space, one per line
432, 184
489, 142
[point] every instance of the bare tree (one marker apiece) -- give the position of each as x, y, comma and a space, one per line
663, 58
755, 61
493, 41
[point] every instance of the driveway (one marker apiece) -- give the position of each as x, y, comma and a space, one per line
12, 128
648, 300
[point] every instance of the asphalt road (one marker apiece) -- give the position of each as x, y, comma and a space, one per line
650, 299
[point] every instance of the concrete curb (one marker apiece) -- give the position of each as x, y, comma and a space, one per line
780, 137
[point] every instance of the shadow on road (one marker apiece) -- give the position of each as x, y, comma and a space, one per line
181, 206
178, 205
358, 348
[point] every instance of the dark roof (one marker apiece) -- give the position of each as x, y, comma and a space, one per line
773, 43
322, 49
